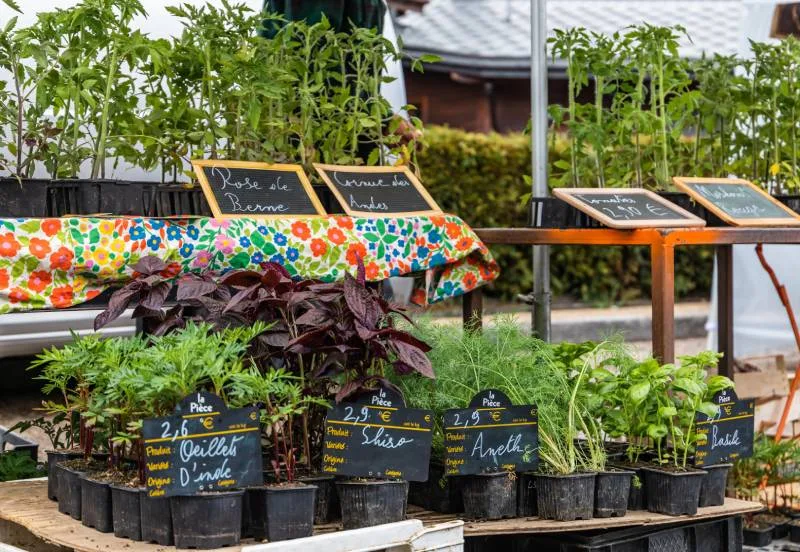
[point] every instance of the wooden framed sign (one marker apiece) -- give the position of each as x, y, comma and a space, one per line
491, 435
738, 201
203, 447
378, 191
239, 189
626, 208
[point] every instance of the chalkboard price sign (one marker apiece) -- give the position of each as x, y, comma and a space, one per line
378, 191
376, 436
491, 435
203, 447
738, 202
729, 435
237, 189
628, 208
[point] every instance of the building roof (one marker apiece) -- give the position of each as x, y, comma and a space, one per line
492, 37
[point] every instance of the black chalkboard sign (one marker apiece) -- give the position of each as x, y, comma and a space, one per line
376, 436
236, 189
203, 447
377, 191
628, 208
729, 435
738, 202
491, 435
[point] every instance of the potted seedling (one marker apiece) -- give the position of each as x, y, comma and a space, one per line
756, 532
66, 371
25, 129
284, 508
590, 364
673, 487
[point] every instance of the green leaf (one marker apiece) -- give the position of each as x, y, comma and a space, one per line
639, 392
240, 260
667, 411
30, 226
13, 5
18, 268
370, 236
709, 409
257, 239
657, 431
269, 249
94, 236
31, 263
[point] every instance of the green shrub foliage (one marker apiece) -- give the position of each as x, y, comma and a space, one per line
479, 178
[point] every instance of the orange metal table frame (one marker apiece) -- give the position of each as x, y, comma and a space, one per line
662, 243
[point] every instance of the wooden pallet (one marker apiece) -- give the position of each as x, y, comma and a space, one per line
25, 503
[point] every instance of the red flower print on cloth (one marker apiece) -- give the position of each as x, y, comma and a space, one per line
92, 294
437, 220
469, 280
8, 245
61, 297
3, 278
318, 247
372, 271
464, 243
18, 295
172, 270
356, 251
39, 248
51, 226
300, 229
345, 222
61, 259
336, 236
39, 280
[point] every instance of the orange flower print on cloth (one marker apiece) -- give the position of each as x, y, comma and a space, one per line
63, 262
61, 259
39, 280
300, 229
62, 297
8, 245
318, 247
51, 227
39, 248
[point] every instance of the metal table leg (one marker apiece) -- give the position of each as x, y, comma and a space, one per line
662, 260
472, 305
724, 254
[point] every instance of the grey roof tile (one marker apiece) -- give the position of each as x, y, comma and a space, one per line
495, 34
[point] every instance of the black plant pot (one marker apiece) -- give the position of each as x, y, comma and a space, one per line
127, 512
282, 513
611, 492
712, 492
438, 493
53, 458
326, 503
673, 493
527, 505
490, 496
794, 532
551, 212
637, 496
757, 537
156, 520
26, 198
565, 497
247, 514
210, 520
69, 491
369, 503
96, 509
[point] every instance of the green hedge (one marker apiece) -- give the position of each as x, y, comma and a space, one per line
479, 178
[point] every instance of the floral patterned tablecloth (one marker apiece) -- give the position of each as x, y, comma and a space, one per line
63, 262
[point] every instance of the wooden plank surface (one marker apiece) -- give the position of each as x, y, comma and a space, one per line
25, 503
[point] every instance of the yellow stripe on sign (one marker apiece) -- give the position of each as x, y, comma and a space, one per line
213, 434
380, 407
379, 425
459, 428
201, 415
742, 417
